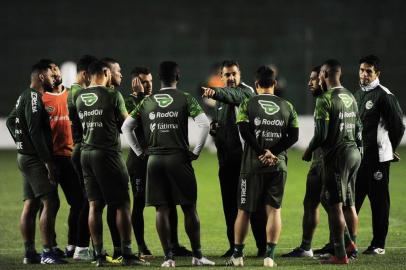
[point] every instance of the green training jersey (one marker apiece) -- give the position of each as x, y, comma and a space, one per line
28, 124
269, 117
77, 132
101, 112
338, 108
164, 119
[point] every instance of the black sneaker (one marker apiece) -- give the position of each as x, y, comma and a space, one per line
327, 249
145, 254
51, 258
100, 260
69, 253
32, 258
228, 253
298, 252
58, 252
129, 260
181, 251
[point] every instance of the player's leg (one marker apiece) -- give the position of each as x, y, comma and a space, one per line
114, 232
258, 226
27, 228
177, 249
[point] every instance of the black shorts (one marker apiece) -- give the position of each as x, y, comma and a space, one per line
314, 185
256, 190
35, 177
339, 175
170, 180
105, 176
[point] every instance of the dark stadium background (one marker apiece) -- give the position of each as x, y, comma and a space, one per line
293, 35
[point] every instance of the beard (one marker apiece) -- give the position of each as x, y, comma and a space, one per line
231, 83
47, 86
58, 81
317, 92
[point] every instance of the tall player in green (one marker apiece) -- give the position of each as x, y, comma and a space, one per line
269, 126
102, 111
338, 132
170, 176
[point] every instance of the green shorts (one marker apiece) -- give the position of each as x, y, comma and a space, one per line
35, 177
170, 180
339, 174
256, 190
105, 176
314, 185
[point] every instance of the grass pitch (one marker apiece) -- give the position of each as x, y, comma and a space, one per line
213, 232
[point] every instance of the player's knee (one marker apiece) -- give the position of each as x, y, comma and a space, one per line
96, 206
51, 202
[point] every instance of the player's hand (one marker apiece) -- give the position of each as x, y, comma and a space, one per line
307, 155
51, 172
268, 158
136, 85
208, 92
192, 156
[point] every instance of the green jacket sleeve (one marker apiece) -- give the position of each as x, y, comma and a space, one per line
121, 110
233, 95
11, 123
33, 114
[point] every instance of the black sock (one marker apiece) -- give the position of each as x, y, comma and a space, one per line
270, 250
126, 247
238, 250
197, 253
306, 244
169, 255
98, 249
29, 246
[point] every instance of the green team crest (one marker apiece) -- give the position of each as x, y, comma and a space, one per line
89, 98
163, 100
347, 100
269, 107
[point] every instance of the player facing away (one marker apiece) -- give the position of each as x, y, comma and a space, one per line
101, 111
82, 251
229, 150
338, 132
383, 129
170, 175
269, 126
29, 126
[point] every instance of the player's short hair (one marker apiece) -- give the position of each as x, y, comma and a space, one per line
169, 72
97, 67
230, 63
47, 61
140, 70
40, 66
372, 60
84, 62
333, 65
316, 69
109, 60
265, 77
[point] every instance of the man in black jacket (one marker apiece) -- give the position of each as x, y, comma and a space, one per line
383, 129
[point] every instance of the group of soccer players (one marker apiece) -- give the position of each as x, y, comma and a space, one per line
71, 137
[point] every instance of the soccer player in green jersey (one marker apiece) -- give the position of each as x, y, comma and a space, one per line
82, 251
229, 150
338, 132
29, 126
170, 176
269, 126
102, 111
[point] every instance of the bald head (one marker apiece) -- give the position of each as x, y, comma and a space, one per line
330, 74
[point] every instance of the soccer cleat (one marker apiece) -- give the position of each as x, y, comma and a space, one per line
129, 260
101, 260
32, 258
58, 252
202, 262
145, 254
374, 251
352, 251
51, 258
335, 260
116, 254
238, 261
269, 262
168, 263
111, 260
83, 254
299, 252
228, 253
181, 251
69, 252
328, 248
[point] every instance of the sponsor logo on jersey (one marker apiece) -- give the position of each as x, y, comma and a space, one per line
257, 121
151, 115
378, 175
49, 109
163, 100
152, 127
275, 122
346, 99
89, 98
270, 107
34, 102
369, 105
342, 115
90, 113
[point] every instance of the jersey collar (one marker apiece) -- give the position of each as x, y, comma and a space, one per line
166, 88
370, 86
